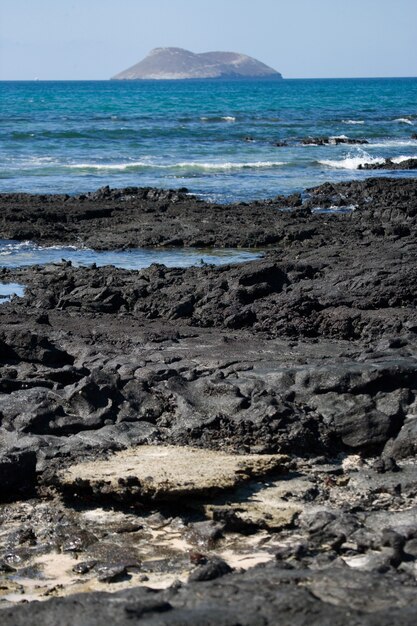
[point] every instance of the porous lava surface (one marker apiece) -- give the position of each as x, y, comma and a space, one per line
308, 353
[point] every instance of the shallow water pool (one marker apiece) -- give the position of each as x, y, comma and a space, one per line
20, 254
7, 290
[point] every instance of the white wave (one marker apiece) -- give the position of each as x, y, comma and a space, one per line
226, 166
404, 120
7, 248
353, 122
10, 248
353, 162
109, 166
223, 118
393, 143
38, 160
181, 165
339, 137
402, 158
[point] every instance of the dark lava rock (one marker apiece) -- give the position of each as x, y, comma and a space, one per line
299, 597
140, 609
204, 533
405, 444
309, 351
84, 567
17, 475
323, 141
387, 464
214, 568
388, 164
111, 573
17, 345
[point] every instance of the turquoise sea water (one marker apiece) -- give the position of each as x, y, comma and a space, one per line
216, 138
77, 136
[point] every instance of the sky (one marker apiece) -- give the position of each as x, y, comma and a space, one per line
95, 39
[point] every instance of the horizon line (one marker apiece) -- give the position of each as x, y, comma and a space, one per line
184, 80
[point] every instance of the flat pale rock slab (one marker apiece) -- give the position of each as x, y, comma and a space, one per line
259, 505
166, 472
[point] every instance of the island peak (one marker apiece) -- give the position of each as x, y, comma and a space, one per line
178, 64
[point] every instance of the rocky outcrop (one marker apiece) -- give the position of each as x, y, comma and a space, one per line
180, 64
195, 438
324, 141
110, 219
390, 164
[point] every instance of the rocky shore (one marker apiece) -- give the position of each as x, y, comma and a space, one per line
212, 445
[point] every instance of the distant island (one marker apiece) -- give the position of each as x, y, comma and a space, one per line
180, 64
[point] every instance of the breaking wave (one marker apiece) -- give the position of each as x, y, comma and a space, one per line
400, 159
194, 165
393, 143
218, 118
404, 120
353, 162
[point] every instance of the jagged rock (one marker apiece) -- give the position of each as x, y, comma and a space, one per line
388, 164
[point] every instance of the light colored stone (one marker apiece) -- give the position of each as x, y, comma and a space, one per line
167, 472
262, 506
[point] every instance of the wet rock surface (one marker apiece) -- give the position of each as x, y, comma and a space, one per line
388, 164
323, 141
131, 217
309, 352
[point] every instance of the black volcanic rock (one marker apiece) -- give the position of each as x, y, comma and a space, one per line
177, 64
310, 352
388, 164
325, 141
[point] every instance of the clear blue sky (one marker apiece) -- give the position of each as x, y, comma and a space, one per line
94, 39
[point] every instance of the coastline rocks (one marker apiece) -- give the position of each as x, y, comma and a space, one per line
132, 217
144, 415
323, 141
388, 164
270, 295
378, 202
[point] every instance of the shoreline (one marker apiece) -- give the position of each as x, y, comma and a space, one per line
111, 219
300, 367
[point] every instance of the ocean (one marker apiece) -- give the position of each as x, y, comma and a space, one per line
217, 138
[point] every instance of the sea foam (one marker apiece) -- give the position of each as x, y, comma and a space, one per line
402, 158
193, 165
393, 143
221, 118
404, 120
353, 162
